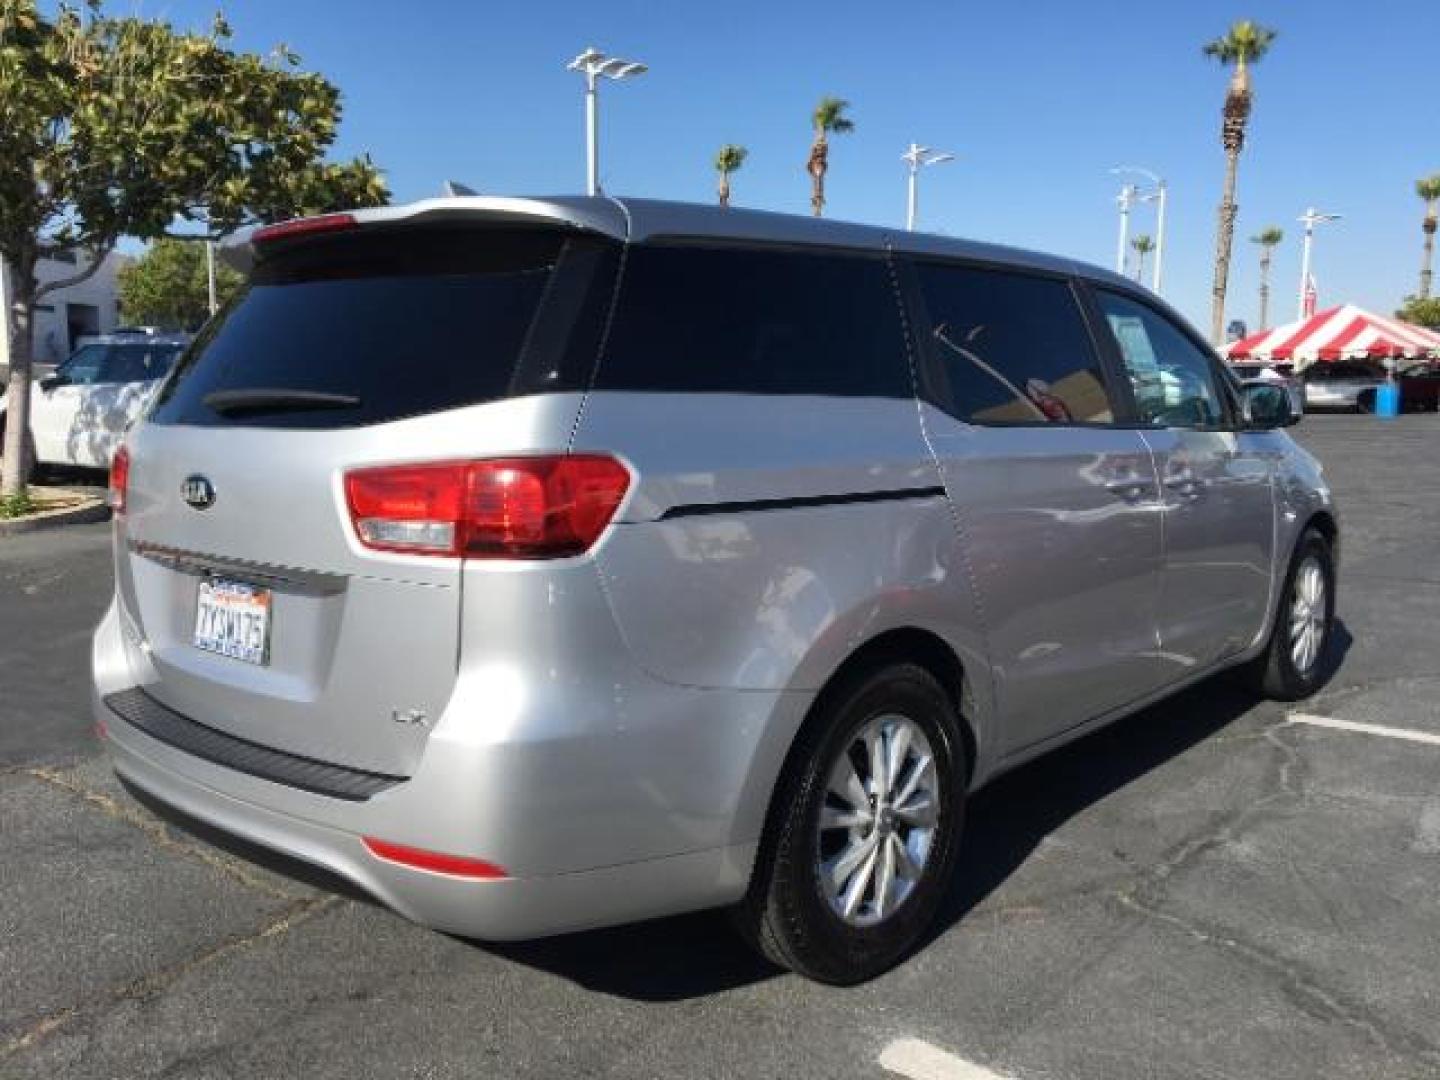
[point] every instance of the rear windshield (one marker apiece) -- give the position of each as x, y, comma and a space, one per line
138, 362
384, 324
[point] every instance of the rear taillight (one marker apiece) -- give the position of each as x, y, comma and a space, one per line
505, 508
119, 480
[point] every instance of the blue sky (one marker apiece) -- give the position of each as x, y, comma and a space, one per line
1038, 100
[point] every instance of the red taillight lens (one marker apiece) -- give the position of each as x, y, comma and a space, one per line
506, 508
119, 480
304, 227
434, 861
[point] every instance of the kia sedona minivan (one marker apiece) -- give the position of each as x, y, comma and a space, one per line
545, 564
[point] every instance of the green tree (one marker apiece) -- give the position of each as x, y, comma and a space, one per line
729, 158
1142, 245
828, 119
1429, 190
1269, 239
169, 286
1244, 44
1421, 310
123, 126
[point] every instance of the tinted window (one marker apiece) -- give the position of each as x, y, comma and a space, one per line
764, 322
1011, 348
407, 322
1172, 377
84, 366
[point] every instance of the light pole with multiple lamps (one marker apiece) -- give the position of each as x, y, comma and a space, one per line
592, 63
1129, 195
916, 158
1309, 219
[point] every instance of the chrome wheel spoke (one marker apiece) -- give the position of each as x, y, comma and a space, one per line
885, 878
905, 866
898, 748
855, 892
846, 785
834, 818
919, 772
919, 812
875, 753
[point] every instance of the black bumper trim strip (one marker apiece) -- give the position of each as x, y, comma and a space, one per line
165, 725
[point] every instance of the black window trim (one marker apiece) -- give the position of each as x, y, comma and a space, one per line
931, 386
1224, 386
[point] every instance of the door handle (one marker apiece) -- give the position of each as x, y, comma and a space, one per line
1185, 483
1130, 488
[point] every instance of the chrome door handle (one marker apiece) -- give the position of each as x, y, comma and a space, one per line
1129, 488
1185, 483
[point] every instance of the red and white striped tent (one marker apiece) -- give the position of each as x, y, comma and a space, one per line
1339, 333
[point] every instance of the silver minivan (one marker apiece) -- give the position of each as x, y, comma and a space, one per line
543, 564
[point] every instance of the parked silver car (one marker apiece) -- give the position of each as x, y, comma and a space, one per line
1338, 384
546, 564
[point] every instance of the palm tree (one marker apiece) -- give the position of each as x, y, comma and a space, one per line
1143, 245
829, 118
729, 158
1429, 190
1268, 238
1246, 43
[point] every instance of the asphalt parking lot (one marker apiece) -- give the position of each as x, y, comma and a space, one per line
1213, 888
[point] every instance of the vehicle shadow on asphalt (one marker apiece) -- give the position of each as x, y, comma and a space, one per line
690, 956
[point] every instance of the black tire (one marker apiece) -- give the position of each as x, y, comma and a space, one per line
1274, 672
786, 914
1365, 403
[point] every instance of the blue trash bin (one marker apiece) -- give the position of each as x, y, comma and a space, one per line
1387, 399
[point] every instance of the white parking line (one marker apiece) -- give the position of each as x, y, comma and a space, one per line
1408, 734
918, 1060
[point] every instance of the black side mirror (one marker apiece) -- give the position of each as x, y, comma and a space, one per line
50, 382
1267, 406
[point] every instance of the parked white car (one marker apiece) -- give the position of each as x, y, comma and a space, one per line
79, 414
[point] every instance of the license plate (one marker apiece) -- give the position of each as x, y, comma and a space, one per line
232, 618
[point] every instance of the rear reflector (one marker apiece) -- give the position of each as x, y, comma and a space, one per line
119, 480
434, 861
505, 508
304, 227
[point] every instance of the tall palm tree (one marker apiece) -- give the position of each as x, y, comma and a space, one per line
828, 119
1268, 238
1429, 190
727, 159
1246, 43
1143, 245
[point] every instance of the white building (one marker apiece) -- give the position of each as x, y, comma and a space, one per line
92, 307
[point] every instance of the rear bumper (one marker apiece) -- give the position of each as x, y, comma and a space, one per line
687, 833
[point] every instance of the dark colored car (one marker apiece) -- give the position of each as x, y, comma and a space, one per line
1419, 389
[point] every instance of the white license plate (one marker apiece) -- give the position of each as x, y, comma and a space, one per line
232, 618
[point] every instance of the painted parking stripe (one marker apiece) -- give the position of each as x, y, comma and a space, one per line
1409, 734
918, 1060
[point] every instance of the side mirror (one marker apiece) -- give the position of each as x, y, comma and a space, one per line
50, 382
1267, 406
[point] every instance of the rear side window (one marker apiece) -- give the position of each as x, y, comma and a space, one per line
1011, 348
394, 323
695, 320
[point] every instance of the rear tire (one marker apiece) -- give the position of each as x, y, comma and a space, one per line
831, 814
1365, 404
1293, 664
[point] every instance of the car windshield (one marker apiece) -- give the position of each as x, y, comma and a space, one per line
139, 361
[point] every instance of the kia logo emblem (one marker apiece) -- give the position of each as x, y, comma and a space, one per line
198, 492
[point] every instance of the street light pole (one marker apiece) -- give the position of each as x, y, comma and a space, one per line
210, 274
915, 158
1309, 219
1125, 200
1158, 196
592, 63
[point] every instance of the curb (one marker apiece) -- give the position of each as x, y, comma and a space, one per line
91, 510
